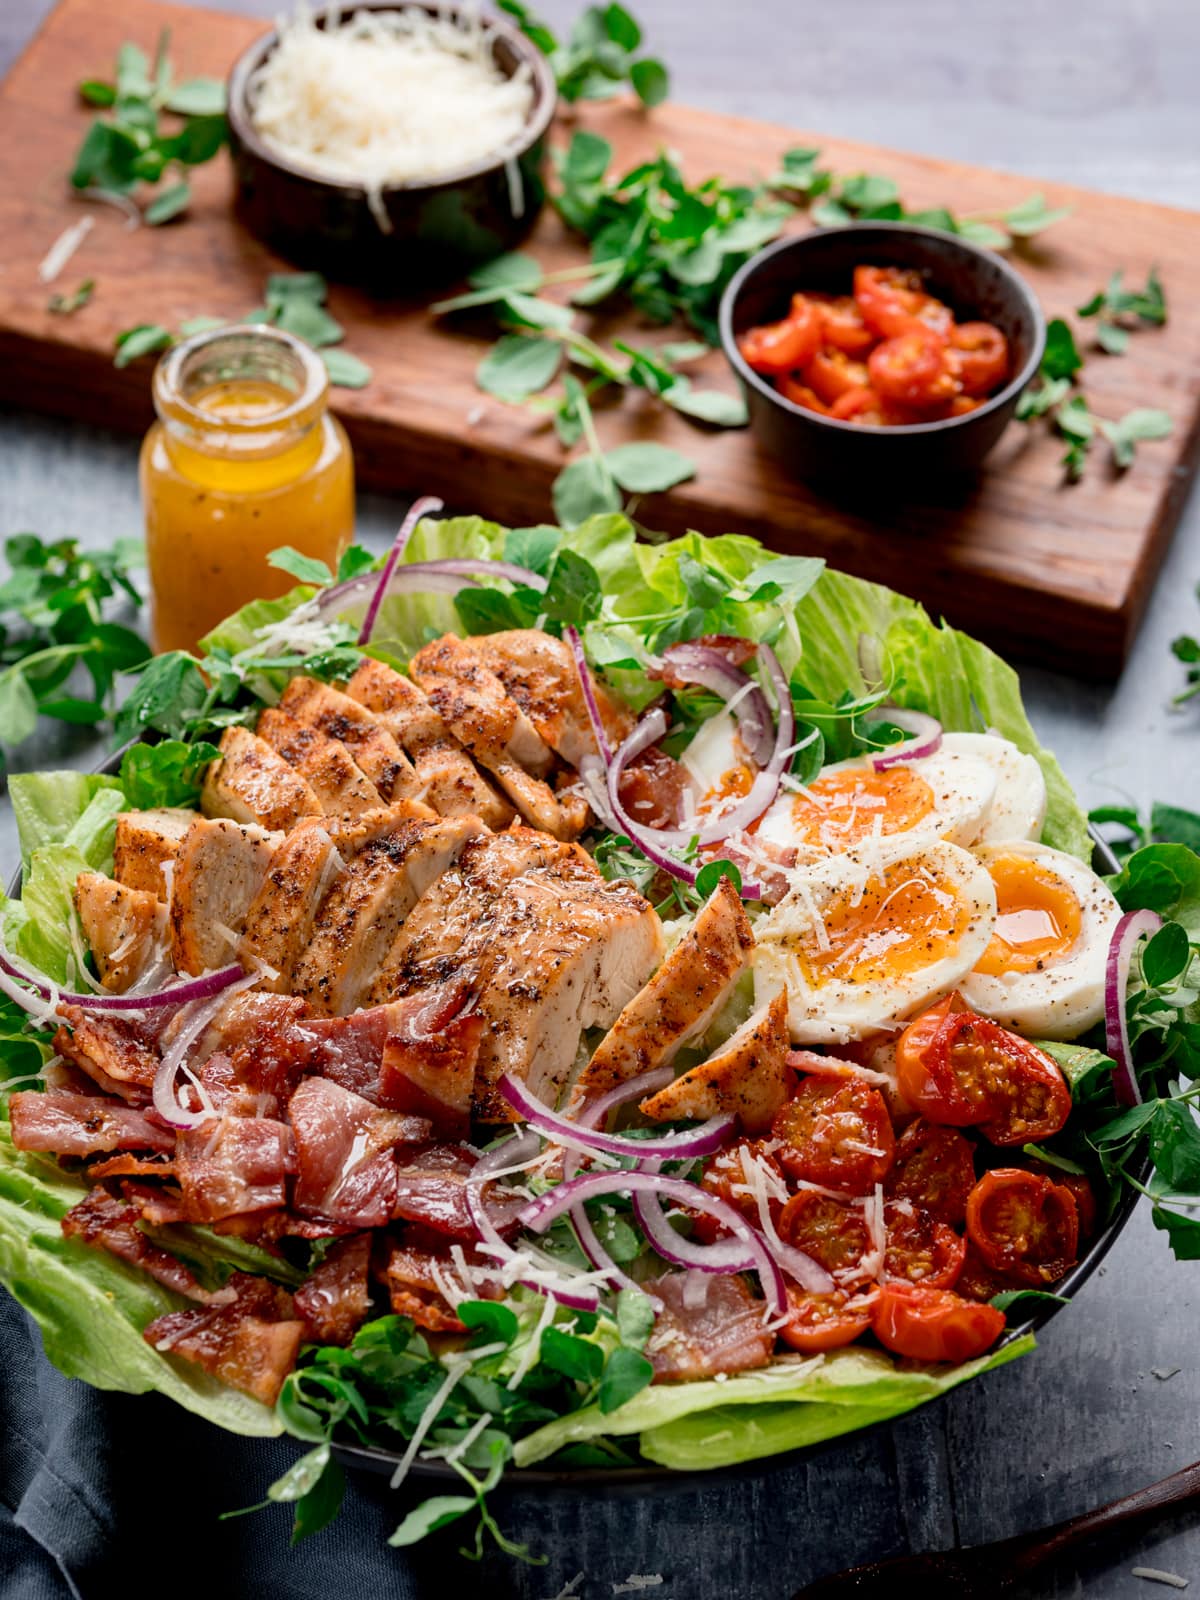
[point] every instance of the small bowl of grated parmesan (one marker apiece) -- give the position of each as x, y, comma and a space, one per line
390, 145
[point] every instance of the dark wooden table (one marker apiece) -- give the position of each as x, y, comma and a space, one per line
1102, 95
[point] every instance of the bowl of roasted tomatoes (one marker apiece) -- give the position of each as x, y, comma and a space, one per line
880, 351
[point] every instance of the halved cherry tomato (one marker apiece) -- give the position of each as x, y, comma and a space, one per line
844, 328
1085, 1200
978, 1281
912, 370
933, 1324
833, 1233
831, 375
919, 1248
725, 1176
964, 1070
893, 302
800, 394
859, 405
835, 1134
982, 356
784, 346
821, 1321
1023, 1225
935, 1169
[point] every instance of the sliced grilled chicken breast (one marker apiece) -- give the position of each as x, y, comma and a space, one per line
681, 999
144, 840
433, 945
540, 674
280, 918
125, 928
340, 784
448, 777
219, 869
747, 1077
251, 782
361, 914
316, 705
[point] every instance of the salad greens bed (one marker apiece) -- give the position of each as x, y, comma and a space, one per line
532, 1383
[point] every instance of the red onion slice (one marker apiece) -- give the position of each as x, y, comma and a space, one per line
1133, 926
599, 732
419, 508
166, 1101
593, 1113
540, 1213
707, 668
701, 1141
926, 738
175, 994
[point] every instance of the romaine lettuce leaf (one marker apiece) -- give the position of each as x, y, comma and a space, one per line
678, 1425
48, 806
91, 1307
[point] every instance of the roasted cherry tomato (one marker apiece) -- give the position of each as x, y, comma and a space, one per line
960, 1069
978, 1281
912, 370
1081, 1189
831, 375
859, 405
935, 1169
832, 1232
893, 303
1024, 1225
821, 1321
784, 346
982, 356
843, 326
933, 1324
725, 1176
793, 389
919, 1248
836, 1134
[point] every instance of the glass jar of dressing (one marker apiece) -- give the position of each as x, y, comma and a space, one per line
244, 458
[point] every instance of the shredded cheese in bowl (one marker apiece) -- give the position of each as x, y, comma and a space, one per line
387, 97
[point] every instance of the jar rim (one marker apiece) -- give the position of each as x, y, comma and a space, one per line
172, 402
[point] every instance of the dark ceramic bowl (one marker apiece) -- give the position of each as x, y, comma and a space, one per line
439, 229
977, 285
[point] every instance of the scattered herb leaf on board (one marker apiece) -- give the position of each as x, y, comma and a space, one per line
1115, 307
126, 146
1186, 648
598, 58
65, 305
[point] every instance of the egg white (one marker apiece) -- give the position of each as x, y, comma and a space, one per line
1066, 997
837, 1010
1018, 806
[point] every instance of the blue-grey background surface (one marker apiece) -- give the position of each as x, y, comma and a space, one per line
1103, 95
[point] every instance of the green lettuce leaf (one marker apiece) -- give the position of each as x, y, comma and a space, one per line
91, 1307
49, 806
237, 631
794, 1401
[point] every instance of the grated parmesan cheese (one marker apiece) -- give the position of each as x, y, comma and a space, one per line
389, 97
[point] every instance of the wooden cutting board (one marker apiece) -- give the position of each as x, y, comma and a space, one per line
1047, 572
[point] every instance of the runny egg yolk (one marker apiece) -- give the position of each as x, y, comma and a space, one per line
1038, 917
735, 784
902, 922
841, 808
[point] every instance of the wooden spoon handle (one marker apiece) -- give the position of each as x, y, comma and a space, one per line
1180, 1489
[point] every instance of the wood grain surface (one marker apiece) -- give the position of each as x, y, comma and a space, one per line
1054, 573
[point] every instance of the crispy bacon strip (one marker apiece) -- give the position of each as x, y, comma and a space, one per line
66, 1124
251, 1343
333, 1302
110, 1224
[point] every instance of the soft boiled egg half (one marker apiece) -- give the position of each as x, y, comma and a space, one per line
1042, 972
865, 938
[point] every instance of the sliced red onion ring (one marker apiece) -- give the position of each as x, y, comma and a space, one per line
1132, 927
175, 994
426, 506
540, 1213
708, 668
594, 1113
166, 1101
516, 1152
599, 732
926, 737
701, 1141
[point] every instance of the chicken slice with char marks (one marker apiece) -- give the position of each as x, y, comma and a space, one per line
125, 928
144, 841
432, 946
449, 779
748, 1077
340, 784
563, 953
280, 917
251, 782
681, 999
362, 913
218, 871
540, 674
337, 716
